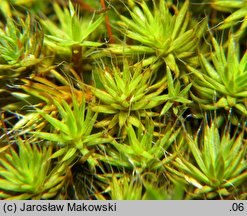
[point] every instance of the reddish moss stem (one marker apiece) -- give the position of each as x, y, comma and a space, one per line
107, 21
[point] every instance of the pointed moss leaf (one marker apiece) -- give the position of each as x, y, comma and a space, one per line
51, 137
196, 153
209, 69
165, 109
69, 154
196, 173
220, 168
180, 19
91, 27
241, 13
58, 153
236, 180
123, 116
91, 44
171, 63
102, 95
243, 63
182, 40
233, 167
55, 123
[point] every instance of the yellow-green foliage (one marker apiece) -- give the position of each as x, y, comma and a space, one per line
135, 100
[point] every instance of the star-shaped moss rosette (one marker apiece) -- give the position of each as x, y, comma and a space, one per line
20, 46
220, 162
160, 36
127, 95
142, 151
221, 81
29, 173
72, 131
71, 33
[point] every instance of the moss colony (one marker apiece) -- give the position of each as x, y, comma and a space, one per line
123, 99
